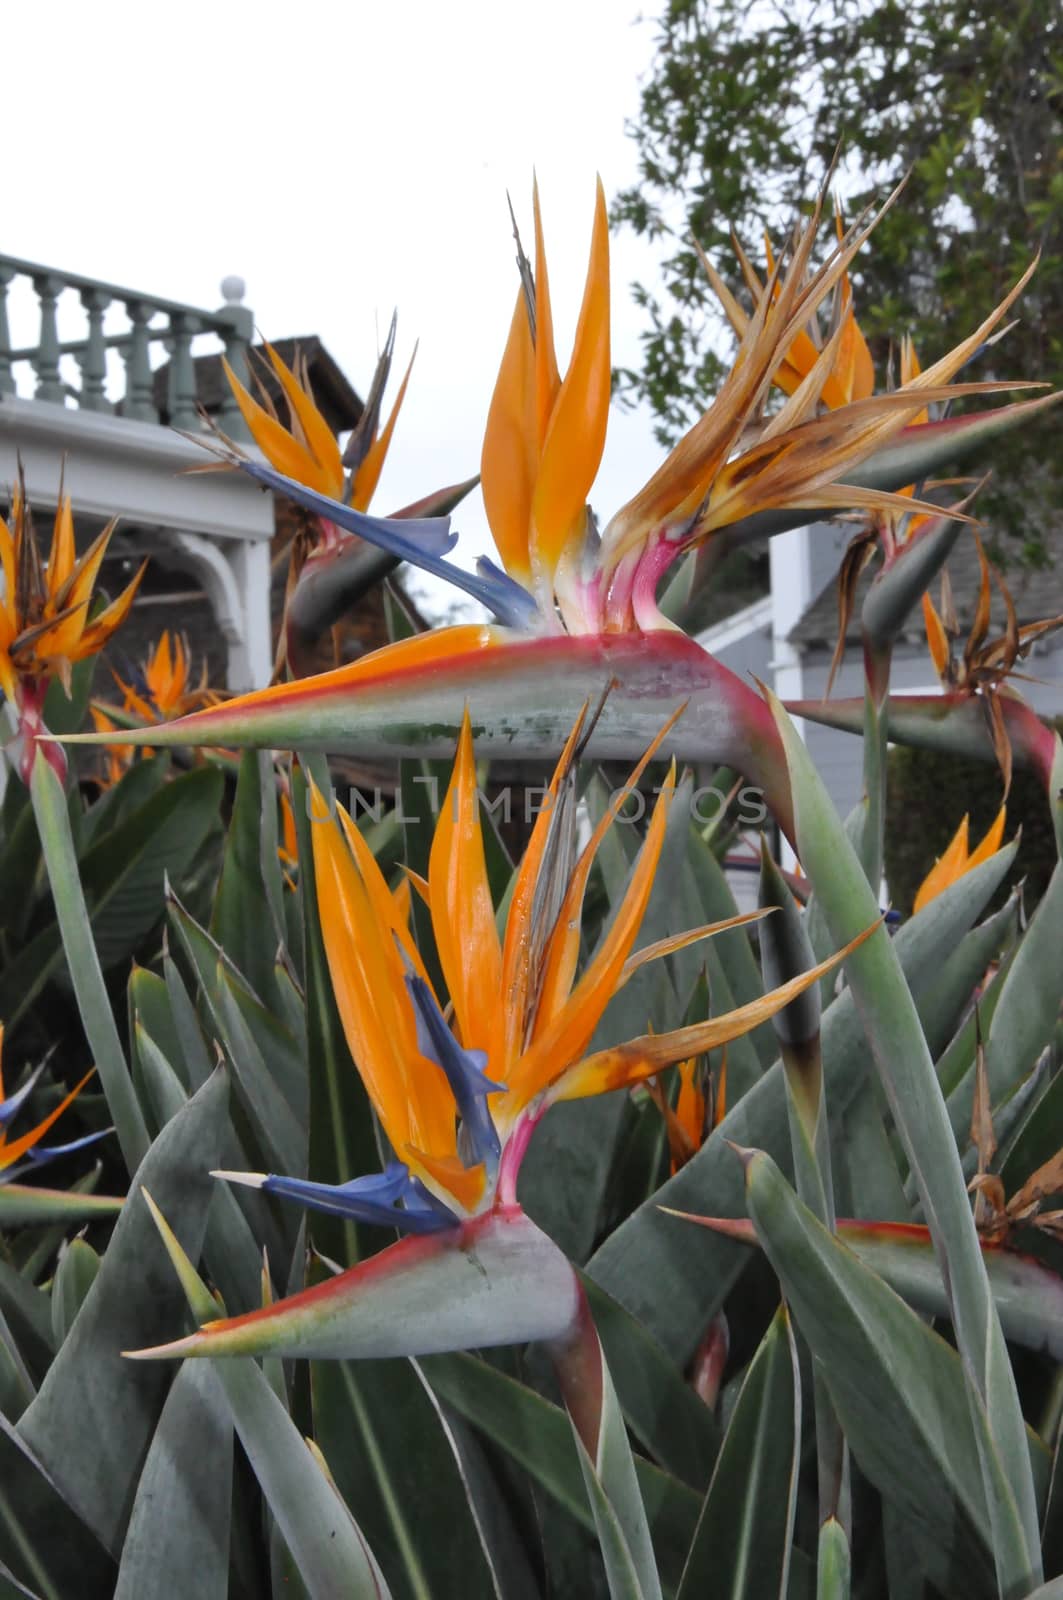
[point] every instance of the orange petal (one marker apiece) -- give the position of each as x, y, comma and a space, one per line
948, 867
62, 557
509, 459
404, 900
863, 368
289, 850
992, 841
547, 377
8, 564
411, 1096
110, 619
564, 1038
574, 443
71, 598
463, 915
415, 881
798, 362
319, 436
275, 442
159, 671
464, 1184
641, 1058
690, 1103
936, 637
388, 908
368, 474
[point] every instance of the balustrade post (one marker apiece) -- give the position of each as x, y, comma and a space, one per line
7, 381
237, 344
139, 403
93, 359
181, 388
46, 364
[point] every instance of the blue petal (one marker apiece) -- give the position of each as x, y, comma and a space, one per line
371, 1199
412, 540
10, 1107
434, 535
464, 1071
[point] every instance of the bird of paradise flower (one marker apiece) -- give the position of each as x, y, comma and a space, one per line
45, 623
25, 1153
329, 567
159, 689
459, 1090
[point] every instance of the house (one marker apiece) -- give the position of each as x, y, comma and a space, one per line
787, 637
85, 400
78, 403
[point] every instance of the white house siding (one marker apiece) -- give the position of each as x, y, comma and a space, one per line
747, 657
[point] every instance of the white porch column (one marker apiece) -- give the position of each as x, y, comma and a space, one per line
235, 576
802, 563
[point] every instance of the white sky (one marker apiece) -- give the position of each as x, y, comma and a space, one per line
343, 159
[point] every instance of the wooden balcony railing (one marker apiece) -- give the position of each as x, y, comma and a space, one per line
144, 321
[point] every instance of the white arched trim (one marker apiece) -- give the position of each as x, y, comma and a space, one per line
235, 575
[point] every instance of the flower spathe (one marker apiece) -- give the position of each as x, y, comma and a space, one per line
45, 626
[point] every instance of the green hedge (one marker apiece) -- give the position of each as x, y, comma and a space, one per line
927, 793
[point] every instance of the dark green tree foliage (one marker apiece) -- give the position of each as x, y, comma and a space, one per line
927, 794
741, 114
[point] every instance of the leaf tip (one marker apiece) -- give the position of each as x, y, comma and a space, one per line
745, 1153
191, 1345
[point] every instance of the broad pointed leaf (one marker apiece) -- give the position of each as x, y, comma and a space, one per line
675, 1286
899, 1390
95, 1413
742, 1545
177, 1542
